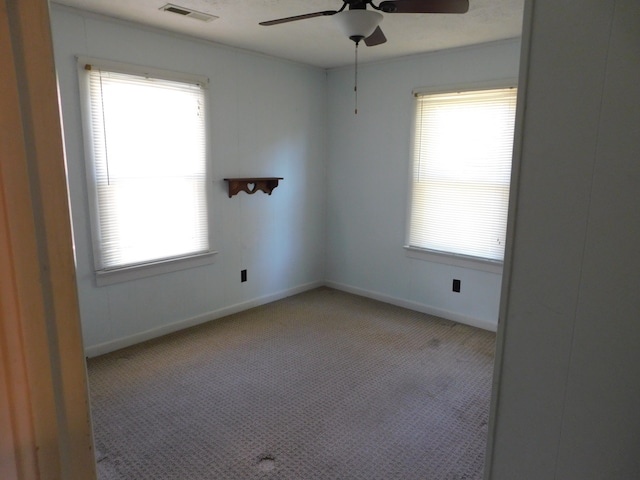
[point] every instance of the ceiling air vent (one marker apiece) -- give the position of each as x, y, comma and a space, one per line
187, 12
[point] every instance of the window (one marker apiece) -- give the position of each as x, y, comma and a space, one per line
461, 172
147, 167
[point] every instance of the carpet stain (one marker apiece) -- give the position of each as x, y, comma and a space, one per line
434, 343
266, 463
100, 456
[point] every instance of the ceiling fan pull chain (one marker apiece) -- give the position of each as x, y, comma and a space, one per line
355, 86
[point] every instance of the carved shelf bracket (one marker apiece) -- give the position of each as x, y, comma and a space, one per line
251, 185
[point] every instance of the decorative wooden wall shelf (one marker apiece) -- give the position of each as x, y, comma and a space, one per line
251, 185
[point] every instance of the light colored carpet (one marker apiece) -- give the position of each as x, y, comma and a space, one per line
322, 385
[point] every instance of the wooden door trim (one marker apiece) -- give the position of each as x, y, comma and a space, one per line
43, 393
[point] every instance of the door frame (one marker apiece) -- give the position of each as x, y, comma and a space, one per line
43, 384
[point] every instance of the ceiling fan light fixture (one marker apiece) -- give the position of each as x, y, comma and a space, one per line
358, 24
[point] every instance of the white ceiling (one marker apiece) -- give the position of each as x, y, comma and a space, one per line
317, 41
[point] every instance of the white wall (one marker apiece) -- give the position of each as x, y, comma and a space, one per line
368, 177
268, 118
275, 118
567, 403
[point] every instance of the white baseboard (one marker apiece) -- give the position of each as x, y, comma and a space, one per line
489, 325
117, 344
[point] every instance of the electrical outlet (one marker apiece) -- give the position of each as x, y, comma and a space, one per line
243, 275
456, 285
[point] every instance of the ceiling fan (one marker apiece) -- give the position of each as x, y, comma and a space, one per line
361, 24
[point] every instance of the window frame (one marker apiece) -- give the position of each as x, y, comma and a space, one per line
131, 272
437, 256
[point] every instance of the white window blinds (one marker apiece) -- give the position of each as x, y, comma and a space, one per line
461, 172
149, 169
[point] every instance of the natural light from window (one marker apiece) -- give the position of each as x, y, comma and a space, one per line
150, 168
462, 166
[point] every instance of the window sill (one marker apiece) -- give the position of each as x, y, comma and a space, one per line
110, 277
463, 261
